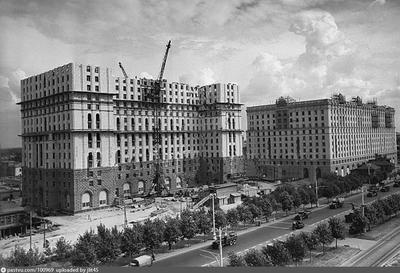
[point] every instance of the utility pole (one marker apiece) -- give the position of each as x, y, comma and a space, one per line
316, 191
30, 229
44, 234
362, 200
220, 248
213, 212
125, 220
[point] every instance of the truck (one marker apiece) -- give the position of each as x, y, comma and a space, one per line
302, 215
297, 225
227, 240
336, 203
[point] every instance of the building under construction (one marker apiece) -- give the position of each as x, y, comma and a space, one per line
88, 137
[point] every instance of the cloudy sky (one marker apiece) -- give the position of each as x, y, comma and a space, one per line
303, 48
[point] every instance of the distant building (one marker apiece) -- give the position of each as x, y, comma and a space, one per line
13, 220
304, 139
88, 136
398, 146
10, 168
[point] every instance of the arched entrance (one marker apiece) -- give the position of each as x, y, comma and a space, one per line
305, 173
167, 182
140, 187
102, 198
318, 173
127, 190
178, 182
86, 200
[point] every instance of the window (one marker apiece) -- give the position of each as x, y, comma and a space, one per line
97, 121
90, 121
90, 160
98, 159
90, 140
98, 140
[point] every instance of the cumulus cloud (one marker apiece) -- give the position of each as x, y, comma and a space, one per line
377, 3
145, 75
327, 64
202, 76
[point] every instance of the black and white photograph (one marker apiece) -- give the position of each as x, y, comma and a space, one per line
199, 134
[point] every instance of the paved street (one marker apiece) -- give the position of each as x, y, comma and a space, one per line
202, 256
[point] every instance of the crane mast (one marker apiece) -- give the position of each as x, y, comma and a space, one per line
155, 97
158, 184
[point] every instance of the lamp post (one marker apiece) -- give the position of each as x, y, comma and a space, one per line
220, 248
213, 213
316, 191
30, 229
362, 200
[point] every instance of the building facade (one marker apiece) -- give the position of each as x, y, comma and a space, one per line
88, 136
292, 139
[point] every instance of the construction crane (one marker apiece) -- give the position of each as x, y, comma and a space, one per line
158, 184
123, 71
158, 187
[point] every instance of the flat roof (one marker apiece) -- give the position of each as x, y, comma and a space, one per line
225, 185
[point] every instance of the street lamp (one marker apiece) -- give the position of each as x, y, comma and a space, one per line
220, 248
316, 191
213, 213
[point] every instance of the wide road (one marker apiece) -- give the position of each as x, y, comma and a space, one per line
258, 237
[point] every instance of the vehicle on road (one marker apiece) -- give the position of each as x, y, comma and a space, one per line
227, 240
396, 184
372, 193
297, 225
385, 189
144, 260
336, 203
302, 215
373, 188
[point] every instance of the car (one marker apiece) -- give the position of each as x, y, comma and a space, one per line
396, 184
385, 189
336, 203
227, 240
297, 225
302, 215
372, 193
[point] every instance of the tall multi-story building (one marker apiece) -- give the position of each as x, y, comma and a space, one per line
304, 139
88, 136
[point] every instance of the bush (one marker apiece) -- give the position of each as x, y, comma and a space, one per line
236, 260
254, 257
63, 249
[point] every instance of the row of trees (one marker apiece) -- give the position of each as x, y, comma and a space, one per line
376, 213
294, 249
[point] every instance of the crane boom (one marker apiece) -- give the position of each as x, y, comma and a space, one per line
160, 76
123, 70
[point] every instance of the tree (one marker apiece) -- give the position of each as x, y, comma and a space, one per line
84, 253
255, 211
203, 222
236, 260
172, 233
337, 227
358, 224
266, 207
304, 196
323, 234
245, 214
295, 246
286, 201
19, 257
187, 225
313, 196
254, 257
107, 247
132, 240
63, 249
296, 200
232, 217
277, 253
153, 232
310, 241
220, 219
